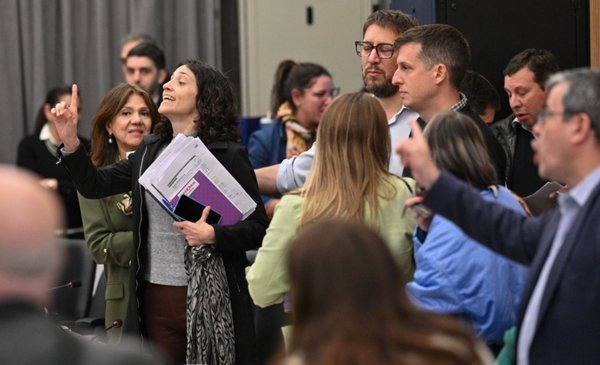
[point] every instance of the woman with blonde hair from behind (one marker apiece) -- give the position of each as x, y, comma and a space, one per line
349, 181
350, 307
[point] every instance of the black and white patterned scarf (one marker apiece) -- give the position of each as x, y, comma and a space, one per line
210, 337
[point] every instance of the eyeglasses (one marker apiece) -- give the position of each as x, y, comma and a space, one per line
383, 50
333, 93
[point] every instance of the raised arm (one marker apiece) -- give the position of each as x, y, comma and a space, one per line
66, 121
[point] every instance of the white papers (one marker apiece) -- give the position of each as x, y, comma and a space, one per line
187, 167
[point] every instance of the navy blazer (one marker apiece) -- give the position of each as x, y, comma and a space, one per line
568, 328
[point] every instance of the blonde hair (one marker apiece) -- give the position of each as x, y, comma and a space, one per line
351, 162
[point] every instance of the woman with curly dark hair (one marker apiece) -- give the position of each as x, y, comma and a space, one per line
194, 315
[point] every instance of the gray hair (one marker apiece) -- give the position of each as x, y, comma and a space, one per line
582, 95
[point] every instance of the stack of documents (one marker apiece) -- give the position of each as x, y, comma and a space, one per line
186, 167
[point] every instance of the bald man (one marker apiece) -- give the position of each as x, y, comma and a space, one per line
30, 260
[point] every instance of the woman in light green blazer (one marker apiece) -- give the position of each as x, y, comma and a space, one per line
349, 181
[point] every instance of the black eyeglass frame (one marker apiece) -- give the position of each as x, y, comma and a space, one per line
359, 47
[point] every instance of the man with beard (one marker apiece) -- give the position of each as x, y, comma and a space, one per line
378, 62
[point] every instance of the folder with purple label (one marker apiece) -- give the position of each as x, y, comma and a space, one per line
186, 167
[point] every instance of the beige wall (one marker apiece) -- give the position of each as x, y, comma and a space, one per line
274, 30
595, 33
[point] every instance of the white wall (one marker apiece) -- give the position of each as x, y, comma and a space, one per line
274, 30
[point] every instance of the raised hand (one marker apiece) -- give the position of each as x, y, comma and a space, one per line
415, 154
66, 121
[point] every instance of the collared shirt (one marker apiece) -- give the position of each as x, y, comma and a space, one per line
399, 130
570, 204
293, 171
46, 135
516, 122
460, 104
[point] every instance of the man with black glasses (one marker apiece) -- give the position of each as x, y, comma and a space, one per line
378, 62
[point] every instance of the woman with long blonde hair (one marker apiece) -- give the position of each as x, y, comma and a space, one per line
350, 182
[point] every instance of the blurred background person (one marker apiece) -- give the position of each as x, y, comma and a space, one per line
127, 43
37, 153
456, 275
124, 118
301, 92
173, 258
481, 95
349, 306
349, 180
146, 66
30, 263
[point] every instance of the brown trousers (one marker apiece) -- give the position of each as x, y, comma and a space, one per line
163, 314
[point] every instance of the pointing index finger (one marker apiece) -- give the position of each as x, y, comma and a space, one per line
74, 97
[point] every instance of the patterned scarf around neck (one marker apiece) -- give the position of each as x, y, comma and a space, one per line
210, 336
299, 139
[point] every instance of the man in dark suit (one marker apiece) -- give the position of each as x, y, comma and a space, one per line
558, 318
30, 259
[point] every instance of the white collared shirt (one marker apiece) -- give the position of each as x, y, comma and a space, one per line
46, 135
399, 130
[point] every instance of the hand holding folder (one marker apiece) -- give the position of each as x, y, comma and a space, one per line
187, 170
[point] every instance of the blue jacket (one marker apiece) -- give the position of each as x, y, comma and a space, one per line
568, 323
266, 146
456, 275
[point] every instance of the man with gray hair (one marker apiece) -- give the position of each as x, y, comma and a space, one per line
30, 261
558, 320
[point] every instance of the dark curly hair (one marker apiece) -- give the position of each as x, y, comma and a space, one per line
215, 103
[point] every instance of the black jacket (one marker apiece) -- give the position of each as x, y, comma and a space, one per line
231, 241
494, 148
34, 156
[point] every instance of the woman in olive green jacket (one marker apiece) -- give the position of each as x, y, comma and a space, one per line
124, 117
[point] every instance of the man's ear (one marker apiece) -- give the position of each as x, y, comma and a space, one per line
162, 76
582, 128
440, 73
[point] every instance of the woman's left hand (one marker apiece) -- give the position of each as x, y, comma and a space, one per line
197, 233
